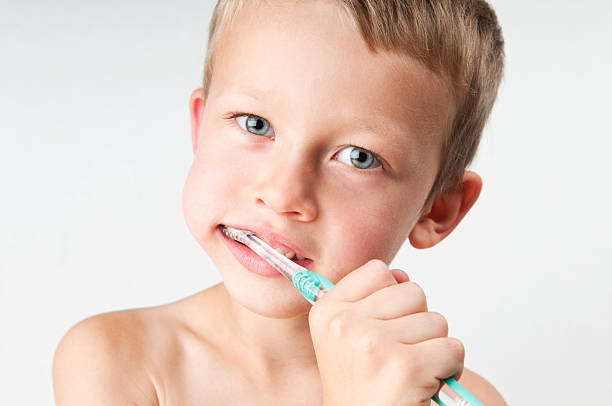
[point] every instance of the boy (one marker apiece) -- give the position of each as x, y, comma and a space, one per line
333, 129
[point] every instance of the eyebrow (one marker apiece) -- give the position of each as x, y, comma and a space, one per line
389, 126
257, 93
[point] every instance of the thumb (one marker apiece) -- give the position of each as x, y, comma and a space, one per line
400, 276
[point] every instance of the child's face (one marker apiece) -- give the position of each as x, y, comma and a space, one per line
313, 80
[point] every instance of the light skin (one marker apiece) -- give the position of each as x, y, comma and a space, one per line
321, 92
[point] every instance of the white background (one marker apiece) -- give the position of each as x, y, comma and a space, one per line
95, 146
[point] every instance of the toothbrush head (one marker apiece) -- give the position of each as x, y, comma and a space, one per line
235, 233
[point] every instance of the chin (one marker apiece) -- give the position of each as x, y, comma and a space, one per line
277, 300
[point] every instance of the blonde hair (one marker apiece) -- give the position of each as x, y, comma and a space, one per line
457, 39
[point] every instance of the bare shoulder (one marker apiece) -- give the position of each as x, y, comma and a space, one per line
481, 388
102, 360
152, 356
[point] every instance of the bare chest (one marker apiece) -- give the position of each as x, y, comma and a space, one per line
203, 379
234, 395
221, 387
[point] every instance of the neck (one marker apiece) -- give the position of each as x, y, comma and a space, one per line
274, 348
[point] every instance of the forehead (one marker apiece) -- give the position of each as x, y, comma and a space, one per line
308, 57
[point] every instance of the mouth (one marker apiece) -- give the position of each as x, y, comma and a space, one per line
279, 243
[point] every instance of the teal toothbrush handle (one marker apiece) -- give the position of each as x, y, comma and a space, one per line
461, 391
313, 286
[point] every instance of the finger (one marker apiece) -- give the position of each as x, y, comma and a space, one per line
416, 328
395, 301
363, 281
441, 357
400, 276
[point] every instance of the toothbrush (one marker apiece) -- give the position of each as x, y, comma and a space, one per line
313, 286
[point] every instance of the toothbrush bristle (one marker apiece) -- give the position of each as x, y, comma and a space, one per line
233, 233
229, 232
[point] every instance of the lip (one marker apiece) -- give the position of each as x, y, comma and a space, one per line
273, 239
254, 262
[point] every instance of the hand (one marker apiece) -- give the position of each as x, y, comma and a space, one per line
376, 343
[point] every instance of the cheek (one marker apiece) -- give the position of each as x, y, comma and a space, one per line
211, 185
367, 230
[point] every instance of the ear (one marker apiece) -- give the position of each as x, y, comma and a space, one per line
196, 111
445, 212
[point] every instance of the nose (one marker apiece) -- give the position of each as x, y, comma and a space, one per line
284, 183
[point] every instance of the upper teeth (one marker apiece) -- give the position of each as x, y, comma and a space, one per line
289, 254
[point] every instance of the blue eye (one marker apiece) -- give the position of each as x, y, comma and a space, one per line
254, 124
359, 157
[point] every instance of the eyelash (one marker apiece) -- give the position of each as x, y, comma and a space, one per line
231, 117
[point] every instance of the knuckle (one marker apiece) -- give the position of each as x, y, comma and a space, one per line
456, 349
321, 315
418, 293
378, 265
438, 323
315, 315
371, 342
341, 323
